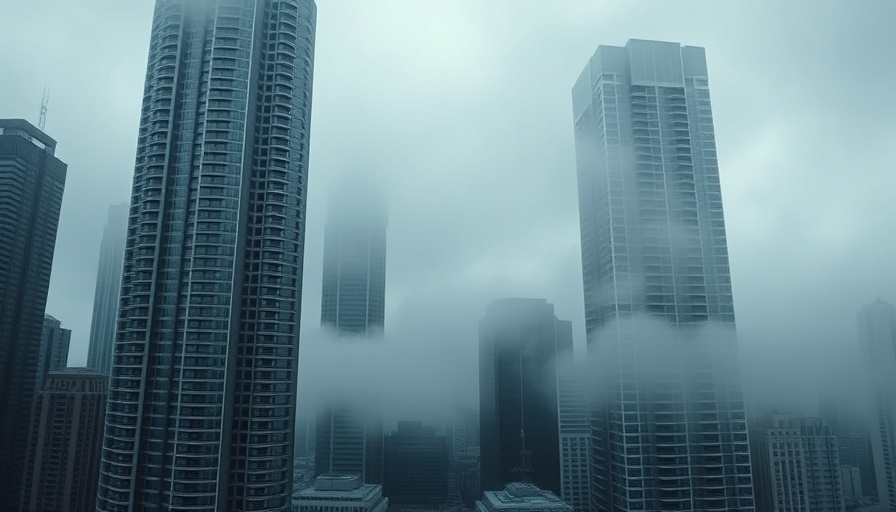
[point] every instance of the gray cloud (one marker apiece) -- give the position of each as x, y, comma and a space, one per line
463, 107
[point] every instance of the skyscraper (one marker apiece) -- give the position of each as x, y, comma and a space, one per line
353, 302
519, 341
203, 381
65, 441
353, 298
671, 432
877, 337
108, 286
32, 180
53, 352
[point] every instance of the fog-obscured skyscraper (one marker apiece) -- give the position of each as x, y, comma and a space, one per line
32, 180
353, 300
108, 286
671, 433
877, 337
53, 352
353, 297
65, 441
204, 365
519, 342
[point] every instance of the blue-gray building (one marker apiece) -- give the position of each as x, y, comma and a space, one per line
202, 390
353, 297
108, 286
32, 180
670, 430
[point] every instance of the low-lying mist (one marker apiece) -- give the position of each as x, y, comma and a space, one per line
411, 377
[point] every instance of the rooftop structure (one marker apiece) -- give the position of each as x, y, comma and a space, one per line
340, 493
520, 497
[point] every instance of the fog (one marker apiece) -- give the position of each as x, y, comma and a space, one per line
462, 109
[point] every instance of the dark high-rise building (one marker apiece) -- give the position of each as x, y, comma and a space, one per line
108, 286
32, 180
353, 297
877, 337
202, 392
671, 429
65, 442
415, 465
519, 341
53, 352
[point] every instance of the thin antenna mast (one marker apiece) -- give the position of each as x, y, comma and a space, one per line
42, 121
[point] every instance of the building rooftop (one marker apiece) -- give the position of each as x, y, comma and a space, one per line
520, 497
27, 130
340, 487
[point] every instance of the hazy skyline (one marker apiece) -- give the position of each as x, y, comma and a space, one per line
464, 107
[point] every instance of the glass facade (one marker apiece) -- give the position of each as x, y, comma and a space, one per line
202, 391
669, 428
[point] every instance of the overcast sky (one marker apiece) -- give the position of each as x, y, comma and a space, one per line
463, 108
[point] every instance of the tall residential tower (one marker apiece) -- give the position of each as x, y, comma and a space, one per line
204, 365
108, 286
670, 430
31, 183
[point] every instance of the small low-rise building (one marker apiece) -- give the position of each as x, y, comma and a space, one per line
521, 497
340, 493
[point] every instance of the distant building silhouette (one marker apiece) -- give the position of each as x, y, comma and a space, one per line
32, 180
415, 465
670, 427
202, 390
340, 493
349, 440
877, 337
349, 431
354, 276
849, 422
53, 352
65, 442
796, 465
519, 340
108, 287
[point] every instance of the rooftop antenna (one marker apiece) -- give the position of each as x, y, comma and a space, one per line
42, 121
